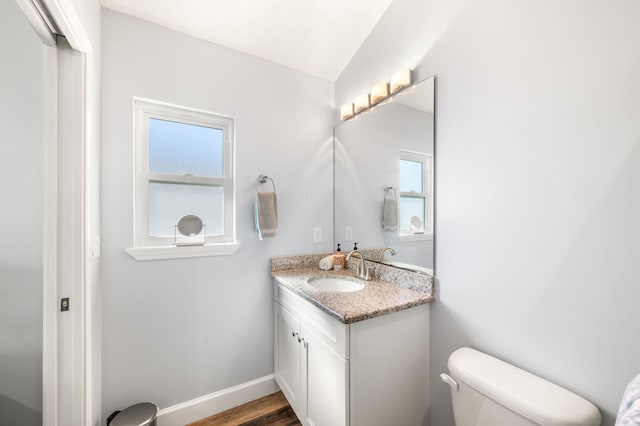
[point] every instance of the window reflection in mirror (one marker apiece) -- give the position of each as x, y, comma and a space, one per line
392, 145
416, 196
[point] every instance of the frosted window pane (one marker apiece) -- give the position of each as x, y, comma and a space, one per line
409, 207
168, 202
411, 177
177, 148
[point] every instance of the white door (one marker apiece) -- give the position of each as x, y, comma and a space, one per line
287, 359
43, 99
22, 121
324, 382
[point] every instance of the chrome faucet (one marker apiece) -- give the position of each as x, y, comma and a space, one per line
362, 271
387, 249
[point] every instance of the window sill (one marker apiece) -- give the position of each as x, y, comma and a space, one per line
415, 237
173, 252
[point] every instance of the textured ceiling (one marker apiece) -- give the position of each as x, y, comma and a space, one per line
318, 37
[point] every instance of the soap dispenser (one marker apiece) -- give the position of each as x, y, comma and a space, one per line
338, 259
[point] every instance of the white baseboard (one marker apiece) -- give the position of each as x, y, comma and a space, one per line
207, 405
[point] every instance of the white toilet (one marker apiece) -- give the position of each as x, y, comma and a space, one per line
489, 392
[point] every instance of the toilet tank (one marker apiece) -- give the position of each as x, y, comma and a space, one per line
486, 391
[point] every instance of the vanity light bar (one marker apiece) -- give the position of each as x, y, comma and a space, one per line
362, 103
400, 80
346, 112
379, 92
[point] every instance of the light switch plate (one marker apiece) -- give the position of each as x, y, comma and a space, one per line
348, 233
317, 234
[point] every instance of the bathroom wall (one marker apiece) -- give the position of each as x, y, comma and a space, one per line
175, 330
21, 186
538, 154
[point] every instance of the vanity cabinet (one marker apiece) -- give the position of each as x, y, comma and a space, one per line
368, 373
310, 373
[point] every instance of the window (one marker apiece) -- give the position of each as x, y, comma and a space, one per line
183, 166
416, 196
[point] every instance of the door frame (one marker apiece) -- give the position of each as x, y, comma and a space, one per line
50, 241
68, 371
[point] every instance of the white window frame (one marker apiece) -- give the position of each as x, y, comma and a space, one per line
427, 195
150, 248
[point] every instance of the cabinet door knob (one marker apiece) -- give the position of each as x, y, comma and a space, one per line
294, 334
299, 339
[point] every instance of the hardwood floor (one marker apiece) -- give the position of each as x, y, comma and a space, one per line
271, 410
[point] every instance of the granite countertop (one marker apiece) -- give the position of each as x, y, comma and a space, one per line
375, 299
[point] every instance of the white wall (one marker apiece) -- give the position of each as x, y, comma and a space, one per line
175, 330
538, 154
21, 186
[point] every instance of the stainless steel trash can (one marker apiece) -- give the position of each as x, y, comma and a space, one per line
142, 414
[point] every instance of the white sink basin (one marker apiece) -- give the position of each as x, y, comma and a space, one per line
335, 284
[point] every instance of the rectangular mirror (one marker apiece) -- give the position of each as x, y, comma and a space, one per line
383, 179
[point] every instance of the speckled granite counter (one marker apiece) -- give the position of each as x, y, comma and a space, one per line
375, 299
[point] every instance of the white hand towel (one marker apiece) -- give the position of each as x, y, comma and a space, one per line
266, 214
390, 215
326, 263
629, 413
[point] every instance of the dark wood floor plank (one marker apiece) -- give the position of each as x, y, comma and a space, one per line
283, 417
271, 410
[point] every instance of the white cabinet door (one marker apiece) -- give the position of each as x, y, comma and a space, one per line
287, 356
324, 383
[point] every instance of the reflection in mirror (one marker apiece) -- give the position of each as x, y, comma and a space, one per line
384, 179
